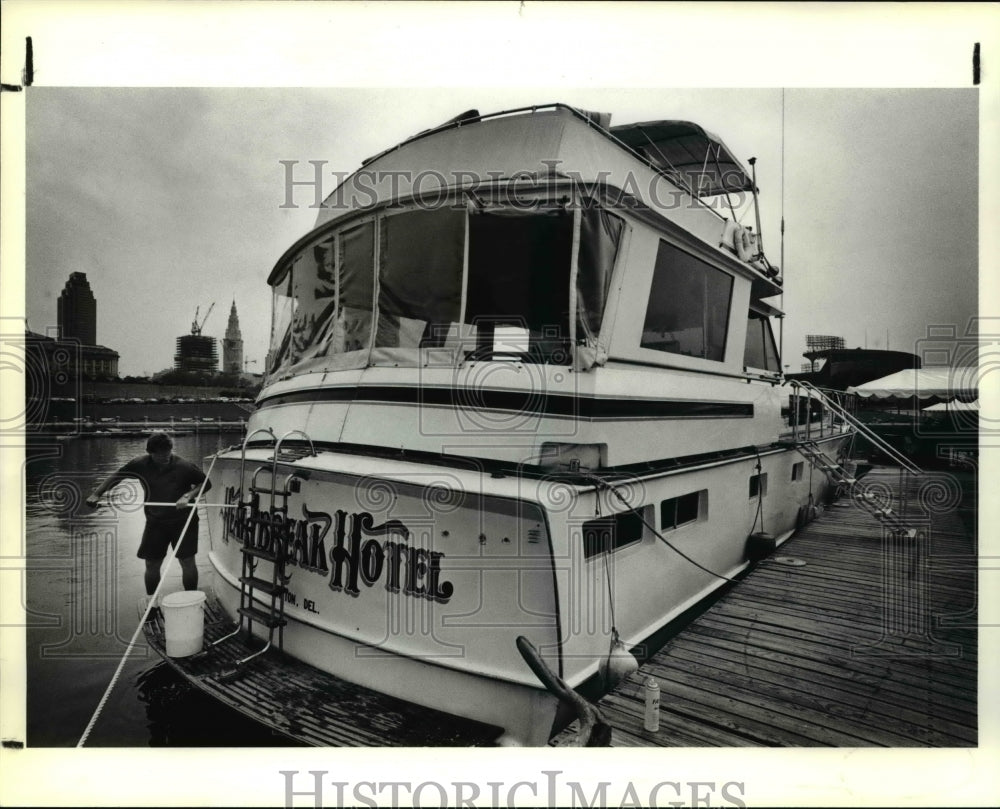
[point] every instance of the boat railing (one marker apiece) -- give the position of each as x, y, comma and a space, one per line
841, 412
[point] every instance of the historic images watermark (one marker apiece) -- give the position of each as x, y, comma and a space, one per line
953, 361
314, 788
50, 371
90, 625
431, 189
960, 360
414, 543
507, 397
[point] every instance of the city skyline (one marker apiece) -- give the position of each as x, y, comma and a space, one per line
76, 320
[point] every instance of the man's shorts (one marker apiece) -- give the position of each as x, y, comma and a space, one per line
159, 535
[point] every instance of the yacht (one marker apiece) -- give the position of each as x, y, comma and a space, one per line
522, 383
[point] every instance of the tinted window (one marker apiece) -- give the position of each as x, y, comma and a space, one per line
600, 235
322, 307
688, 309
608, 533
519, 271
677, 511
760, 351
420, 277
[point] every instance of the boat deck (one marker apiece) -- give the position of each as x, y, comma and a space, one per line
307, 704
842, 638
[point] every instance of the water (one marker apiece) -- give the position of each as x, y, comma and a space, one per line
84, 583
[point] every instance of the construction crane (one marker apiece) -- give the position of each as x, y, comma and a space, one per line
196, 327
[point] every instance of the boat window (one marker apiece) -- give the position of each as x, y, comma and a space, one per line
420, 278
760, 351
517, 296
611, 533
758, 485
677, 511
282, 311
688, 308
600, 236
519, 272
323, 305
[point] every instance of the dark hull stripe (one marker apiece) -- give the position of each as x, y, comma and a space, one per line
547, 404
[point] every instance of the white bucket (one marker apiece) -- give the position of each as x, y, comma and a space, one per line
184, 622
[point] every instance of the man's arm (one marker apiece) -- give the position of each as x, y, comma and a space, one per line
189, 497
109, 482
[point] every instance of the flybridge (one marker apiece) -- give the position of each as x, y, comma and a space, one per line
682, 150
500, 238
676, 168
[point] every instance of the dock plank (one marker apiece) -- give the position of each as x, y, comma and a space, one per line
862, 676
849, 690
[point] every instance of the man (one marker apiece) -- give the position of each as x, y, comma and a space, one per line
165, 478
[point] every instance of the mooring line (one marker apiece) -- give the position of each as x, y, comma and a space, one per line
142, 621
610, 486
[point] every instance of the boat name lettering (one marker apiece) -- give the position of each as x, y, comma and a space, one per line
358, 556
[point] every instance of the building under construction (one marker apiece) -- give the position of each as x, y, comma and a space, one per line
195, 351
823, 342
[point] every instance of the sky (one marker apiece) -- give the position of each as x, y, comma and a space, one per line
171, 198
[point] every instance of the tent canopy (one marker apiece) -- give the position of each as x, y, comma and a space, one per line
953, 407
945, 384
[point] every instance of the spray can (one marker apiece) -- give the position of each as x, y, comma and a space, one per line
651, 720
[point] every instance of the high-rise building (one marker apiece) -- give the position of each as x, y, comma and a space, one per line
75, 353
77, 311
196, 352
232, 345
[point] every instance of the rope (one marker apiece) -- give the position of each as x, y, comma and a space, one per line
611, 595
760, 495
142, 621
781, 258
601, 482
607, 574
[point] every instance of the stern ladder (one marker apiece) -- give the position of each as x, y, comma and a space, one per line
274, 550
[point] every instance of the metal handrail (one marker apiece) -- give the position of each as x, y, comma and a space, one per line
859, 426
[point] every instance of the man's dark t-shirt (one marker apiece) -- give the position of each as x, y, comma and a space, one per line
164, 484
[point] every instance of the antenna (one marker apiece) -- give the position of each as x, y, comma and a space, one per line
756, 207
781, 256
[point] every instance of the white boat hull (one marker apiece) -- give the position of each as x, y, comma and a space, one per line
416, 580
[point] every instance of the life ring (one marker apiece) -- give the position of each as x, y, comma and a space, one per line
741, 240
745, 243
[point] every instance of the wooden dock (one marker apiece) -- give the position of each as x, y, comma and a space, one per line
843, 638
307, 704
